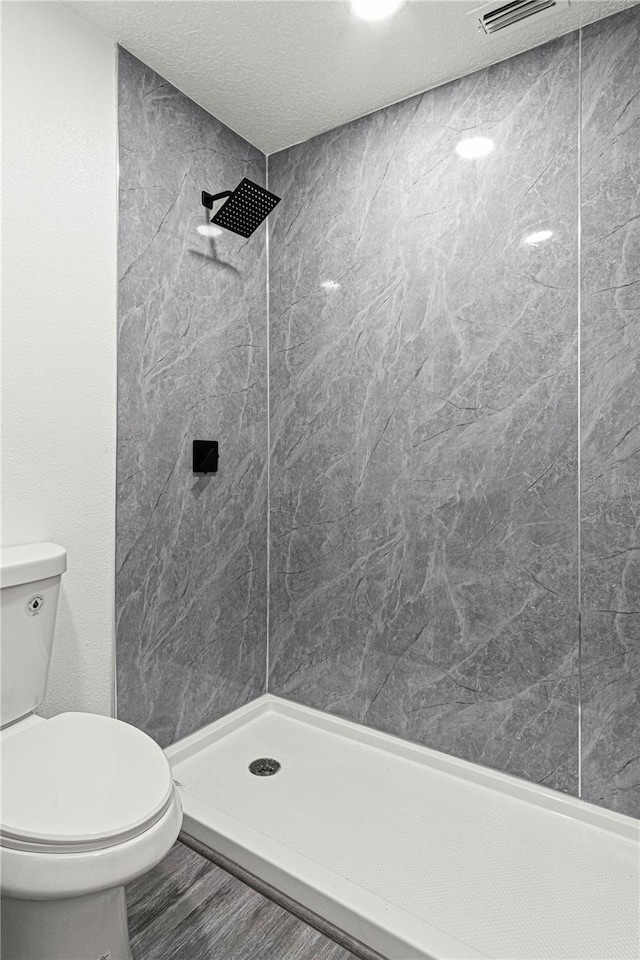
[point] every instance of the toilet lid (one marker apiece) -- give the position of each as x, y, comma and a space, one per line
81, 779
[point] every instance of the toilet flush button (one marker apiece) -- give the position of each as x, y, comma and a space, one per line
35, 604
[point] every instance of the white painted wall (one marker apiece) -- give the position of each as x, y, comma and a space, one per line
59, 237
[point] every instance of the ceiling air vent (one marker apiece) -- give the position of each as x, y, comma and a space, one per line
510, 14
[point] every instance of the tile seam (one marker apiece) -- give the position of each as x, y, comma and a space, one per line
579, 399
268, 360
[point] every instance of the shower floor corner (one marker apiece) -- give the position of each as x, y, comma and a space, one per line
407, 851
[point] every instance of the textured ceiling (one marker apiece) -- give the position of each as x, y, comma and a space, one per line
281, 71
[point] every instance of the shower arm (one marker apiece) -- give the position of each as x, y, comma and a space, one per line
208, 198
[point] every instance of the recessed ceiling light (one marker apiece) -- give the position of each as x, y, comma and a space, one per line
474, 147
209, 230
375, 9
541, 236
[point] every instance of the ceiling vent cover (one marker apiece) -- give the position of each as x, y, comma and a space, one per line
510, 14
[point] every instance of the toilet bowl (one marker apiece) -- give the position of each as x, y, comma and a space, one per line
87, 802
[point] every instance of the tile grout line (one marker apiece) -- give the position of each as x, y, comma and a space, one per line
114, 611
268, 566
579, 465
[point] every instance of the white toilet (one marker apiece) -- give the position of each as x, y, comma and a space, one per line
88, 802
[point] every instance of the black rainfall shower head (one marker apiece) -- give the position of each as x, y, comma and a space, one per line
246, 208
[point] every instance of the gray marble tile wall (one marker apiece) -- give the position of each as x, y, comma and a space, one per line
425, 349
191, 564
611, 412
424, 418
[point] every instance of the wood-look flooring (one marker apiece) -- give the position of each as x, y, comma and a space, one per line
186, 908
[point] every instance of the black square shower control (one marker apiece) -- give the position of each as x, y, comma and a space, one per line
205, 456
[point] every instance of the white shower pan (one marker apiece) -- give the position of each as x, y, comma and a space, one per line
409, 852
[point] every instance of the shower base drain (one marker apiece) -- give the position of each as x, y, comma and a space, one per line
264, 767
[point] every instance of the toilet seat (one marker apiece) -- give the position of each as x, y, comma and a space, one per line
80, 782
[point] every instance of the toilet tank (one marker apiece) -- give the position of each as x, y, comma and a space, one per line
29, 586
